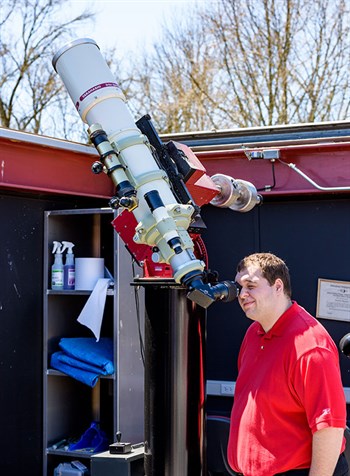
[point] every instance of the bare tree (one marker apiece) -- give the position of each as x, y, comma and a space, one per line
284, 61
248, 63
224, 64
175, 83
28, 83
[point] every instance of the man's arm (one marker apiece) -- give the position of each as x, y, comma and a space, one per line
326, 446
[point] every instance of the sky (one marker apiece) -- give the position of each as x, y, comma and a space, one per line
129, 25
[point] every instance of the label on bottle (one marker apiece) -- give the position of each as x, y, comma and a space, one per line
57, 277
71, 277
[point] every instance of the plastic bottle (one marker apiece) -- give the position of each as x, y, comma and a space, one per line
69, 267
57, 267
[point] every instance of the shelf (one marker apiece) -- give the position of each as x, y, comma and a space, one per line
55, 292
67, 453
57, 373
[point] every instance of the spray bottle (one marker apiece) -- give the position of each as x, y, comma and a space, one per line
57, 267
69, 267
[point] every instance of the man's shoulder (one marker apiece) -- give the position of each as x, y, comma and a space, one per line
309, 333
300, 318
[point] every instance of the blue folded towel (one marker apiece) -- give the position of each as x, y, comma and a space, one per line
99, 354
84, 359
84, 376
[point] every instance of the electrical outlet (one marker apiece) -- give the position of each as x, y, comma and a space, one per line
227, 388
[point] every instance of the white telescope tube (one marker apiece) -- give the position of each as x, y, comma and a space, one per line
99, 100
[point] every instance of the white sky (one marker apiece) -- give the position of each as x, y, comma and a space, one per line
129, 24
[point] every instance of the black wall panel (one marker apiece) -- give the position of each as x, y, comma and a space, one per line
229, 237
314, 239
311, 235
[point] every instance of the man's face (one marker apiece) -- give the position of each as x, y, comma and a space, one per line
257, 297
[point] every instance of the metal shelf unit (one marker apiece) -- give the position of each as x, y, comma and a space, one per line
70, 406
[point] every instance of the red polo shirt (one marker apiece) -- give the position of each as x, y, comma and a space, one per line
288, 387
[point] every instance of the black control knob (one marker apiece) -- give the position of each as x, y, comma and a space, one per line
97, 167
114, 203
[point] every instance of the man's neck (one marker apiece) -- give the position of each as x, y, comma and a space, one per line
281, 308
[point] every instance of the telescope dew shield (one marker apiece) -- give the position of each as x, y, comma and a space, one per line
89, 83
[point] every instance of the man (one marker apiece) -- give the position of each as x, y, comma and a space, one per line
289, 410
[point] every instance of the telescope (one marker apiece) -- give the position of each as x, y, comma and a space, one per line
149, 176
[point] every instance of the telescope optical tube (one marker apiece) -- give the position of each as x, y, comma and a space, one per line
100, 101
128, 159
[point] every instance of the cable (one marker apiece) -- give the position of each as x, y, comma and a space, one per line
267, 188
138, 317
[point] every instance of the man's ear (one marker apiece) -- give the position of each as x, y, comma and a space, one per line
279, 285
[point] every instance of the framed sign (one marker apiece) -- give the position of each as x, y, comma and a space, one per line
333, 300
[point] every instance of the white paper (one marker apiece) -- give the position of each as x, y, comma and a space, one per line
92, 313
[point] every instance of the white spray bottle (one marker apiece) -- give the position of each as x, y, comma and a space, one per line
57, 267
69, 267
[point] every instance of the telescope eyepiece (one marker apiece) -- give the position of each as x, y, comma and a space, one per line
226, 291
205, 294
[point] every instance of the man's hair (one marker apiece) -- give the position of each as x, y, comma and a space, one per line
271, 268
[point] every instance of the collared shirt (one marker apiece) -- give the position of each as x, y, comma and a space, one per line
288, 387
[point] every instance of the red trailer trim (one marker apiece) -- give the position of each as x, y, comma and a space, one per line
42, 164
326, 164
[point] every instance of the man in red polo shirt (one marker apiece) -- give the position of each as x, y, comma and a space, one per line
289, 411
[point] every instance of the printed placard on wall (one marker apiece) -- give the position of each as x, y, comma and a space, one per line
333, 300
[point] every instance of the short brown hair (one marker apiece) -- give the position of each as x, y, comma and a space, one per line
271, 267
